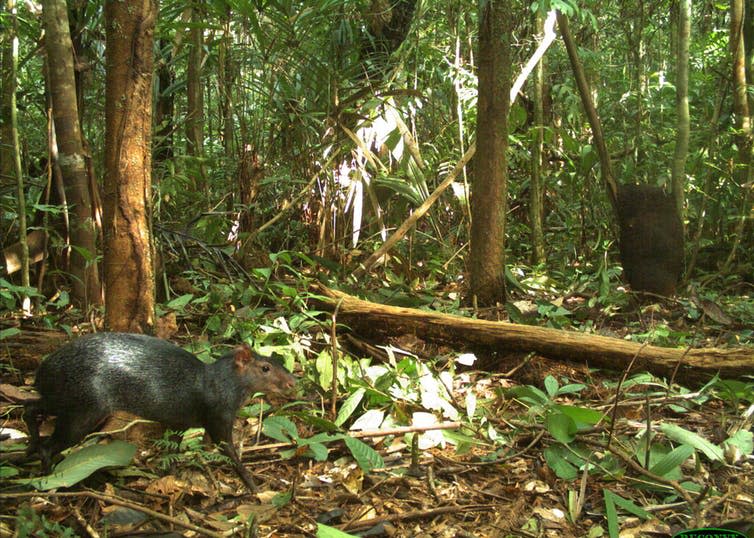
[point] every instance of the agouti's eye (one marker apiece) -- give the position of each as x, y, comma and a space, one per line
265, 368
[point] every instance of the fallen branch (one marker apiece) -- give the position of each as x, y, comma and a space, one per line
693, 365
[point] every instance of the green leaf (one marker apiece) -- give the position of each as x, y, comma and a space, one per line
367, 457
530, 395
281, 499
318, 451
551, 386
323, 531
681, 435
743, 440
82, 463
561, 427
672, 461
10, 331
323, 364
179, 303
349, 406
611, 514
571, 388
6, 471
559, 465
581, 415
627, 505
281, 429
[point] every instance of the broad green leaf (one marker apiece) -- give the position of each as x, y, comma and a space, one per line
349, 406
323, 364
672, 461
551, 386
743, 440
559, 465
318, 451
80, 464
681, 435
581, 415
367, 457
280, 428
10, 331
180, 302
561, 427
571, 388
6, 471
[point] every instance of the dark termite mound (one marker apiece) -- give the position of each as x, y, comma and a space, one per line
651, 239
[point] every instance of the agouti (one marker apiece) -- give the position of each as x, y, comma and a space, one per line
86, 380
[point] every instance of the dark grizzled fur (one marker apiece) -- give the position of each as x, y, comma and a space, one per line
90, 378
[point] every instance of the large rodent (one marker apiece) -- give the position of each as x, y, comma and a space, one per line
86, 380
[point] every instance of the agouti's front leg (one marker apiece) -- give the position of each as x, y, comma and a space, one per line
243, 473
221, 432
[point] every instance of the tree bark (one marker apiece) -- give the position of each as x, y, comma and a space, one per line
16, 155
678, 173
744, 140
129, 274
489, 184
195, 99
692, 366
536, 191
740, 102
71, 156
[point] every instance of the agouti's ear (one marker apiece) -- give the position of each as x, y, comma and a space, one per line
242, 356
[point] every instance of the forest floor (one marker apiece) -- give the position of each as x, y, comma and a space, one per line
478, 488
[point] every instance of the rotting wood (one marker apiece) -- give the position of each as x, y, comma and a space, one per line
696, 365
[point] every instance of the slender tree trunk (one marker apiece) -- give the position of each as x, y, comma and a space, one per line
71, 154
195, 98
10, 82
536, 198
489, 185
743, 119
227, 78
164, 108
129, 274
740, 102
590, 109
678, 172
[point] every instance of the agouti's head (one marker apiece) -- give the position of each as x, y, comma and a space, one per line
263, 374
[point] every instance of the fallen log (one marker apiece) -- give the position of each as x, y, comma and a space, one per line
692, 365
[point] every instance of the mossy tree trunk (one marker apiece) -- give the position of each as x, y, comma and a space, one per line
129, 274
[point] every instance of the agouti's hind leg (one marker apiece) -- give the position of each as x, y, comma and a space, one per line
69, 430
33, 416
